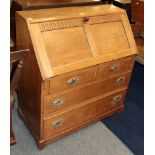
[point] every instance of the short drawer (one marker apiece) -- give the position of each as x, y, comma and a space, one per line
114, 68
74, 79
84, 112
54, 103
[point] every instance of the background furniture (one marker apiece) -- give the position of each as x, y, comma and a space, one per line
125, 4
16, 63
42, 4
135, 11
19, 5
138, 27
11, 44
80, 67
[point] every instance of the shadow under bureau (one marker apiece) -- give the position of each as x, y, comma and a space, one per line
78, 69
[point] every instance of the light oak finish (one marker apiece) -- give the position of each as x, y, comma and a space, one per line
114, 68
58, 102
82, 113
50, 66
72, 80
21, 5
81, 58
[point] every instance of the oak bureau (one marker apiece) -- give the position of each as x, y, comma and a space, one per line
78, 69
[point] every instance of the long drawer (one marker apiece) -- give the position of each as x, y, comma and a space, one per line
54, 103
81, 113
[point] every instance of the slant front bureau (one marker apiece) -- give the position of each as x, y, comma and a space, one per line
78, 69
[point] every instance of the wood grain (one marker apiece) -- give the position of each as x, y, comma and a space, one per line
72, 53
114, 68
99, 38
83, 93
81, 113
60, 83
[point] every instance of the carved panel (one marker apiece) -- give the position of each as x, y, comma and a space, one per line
54, 25
104, 19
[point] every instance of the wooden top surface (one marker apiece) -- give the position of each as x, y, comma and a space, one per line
35, 3
69, 12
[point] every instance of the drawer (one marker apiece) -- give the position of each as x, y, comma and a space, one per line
115, 67
54, 103
74, 79
93, 108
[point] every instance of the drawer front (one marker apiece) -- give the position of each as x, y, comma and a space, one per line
67, 81
115, 67
99, 106
59, 102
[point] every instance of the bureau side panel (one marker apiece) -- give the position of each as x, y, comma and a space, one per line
29, 89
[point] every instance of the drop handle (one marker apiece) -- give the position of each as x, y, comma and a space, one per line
115, 67
58, 102
58, 123
73, 81
120, 80
117, 99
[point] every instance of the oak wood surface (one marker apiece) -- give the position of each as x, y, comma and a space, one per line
81, 113
41, 143
83, 76
68, 62
113, 68
57, 13
20, 5
107, 39
50, 38
79, 94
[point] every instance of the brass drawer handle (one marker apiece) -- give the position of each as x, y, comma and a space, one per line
116, 99
73, 81
120, 80
115, 67
58, 123
58, 102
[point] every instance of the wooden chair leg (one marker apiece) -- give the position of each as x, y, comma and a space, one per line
12, 137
